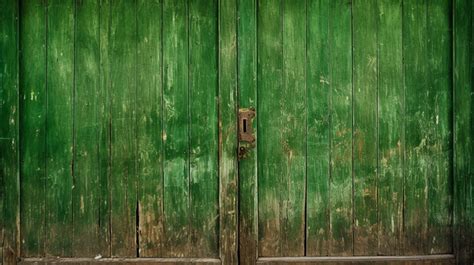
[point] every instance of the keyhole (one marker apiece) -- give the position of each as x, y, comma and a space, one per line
245, 125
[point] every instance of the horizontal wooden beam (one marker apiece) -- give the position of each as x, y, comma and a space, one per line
448, 258
149, 261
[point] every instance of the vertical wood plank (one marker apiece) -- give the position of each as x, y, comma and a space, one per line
390, 121
105, 121
90, 228
33, 127
292, 129
340, 80
417, 126
9, 130
464, 126
59, 127
365, 71
270, 150
318, 120
203, 134
176, 128
440, 182
247, 78
149, 124
122, 91
228, 169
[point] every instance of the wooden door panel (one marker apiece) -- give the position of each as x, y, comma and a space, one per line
121, 125
348, 160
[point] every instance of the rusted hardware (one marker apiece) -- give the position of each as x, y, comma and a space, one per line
246, 135
245, 125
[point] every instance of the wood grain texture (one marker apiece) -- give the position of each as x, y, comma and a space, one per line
33, 127
247, 79
365, 139
418, 126
149, 128
341, 205
59, 127
464, 126
203, 126
228, 168
440, 84
176, 128
318, 129
270, 150
122, 91
9, 132
391, 128
292, 130
89, 212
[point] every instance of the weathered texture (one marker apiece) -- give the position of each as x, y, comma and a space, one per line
464, 131
90, 232
9, 133
391, 142
33, 127
149, 128
247, 43
228, 168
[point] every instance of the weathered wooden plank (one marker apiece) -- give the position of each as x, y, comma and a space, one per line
104, 123
176, 128
464, 126
271, 160
248, 207
318, 123
33, 127
122, 92
440, 83
421, 259
90, 231
292, 130
418, 126
150, 261
390, 121
149, 128
203, 134
9, 131
59, 127
341, 127
365, 70
228, 168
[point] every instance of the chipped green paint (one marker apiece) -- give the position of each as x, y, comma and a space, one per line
125, 127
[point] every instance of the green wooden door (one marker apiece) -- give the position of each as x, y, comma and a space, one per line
128, 140
120, 129
353, 155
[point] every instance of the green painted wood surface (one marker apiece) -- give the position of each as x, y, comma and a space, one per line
90, 205
365, 139
391, 143
128, 128
247, 69
270, 155
368, 64
101, 93
59, 127
33, 127
122, 91
176, 127
9, 134
149, 128
203, 129
440, 83
228, 167
464, 128
318, 129
340, 81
